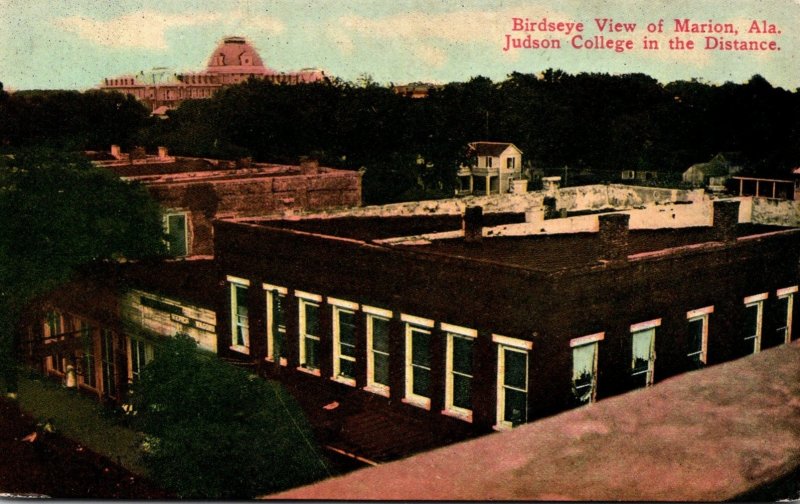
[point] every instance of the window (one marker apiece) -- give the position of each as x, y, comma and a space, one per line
488, 161
240, 322
418, 360
53, 331
276, 323
177, 239
512, 381
754, 316
584, 367
458, 384
510, 163
309, 308
628, 174
698, 336
88, 373
785, 308
140, 353
108, 365
344, 340
378, 349
643, 336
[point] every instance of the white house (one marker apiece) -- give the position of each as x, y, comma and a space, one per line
492, 167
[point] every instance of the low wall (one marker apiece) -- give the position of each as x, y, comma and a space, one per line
777, 212
726, 432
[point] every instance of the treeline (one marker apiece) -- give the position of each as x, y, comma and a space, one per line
411, 147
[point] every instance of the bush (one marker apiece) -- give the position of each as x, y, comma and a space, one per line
216, 432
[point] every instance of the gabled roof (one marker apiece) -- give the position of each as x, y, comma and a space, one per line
718, 166
493, 149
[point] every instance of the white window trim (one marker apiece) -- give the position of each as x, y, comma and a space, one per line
308, 296
515, 345
585, 340
410, 396
270, 299
165, 222
377, 311
757, 300
238, 280
234, 283
148, 354
452, 332
342, 303
371, 314
701, 314
512, 342
788, 293
648, 324
417, 321
337, 350
307, 299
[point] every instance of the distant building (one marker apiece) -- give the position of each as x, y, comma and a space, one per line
491, 169
415, 89
233, 61
194, 191
714, 174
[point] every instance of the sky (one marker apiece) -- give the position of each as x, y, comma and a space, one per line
74, 44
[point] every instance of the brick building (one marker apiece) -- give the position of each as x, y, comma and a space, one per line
194, 191
233, 61
497, 331
399, 334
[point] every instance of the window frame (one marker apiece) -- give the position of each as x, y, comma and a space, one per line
451, 333
514, 345
585, 341
371, 314
757, 301
305, 299
788, 294
270, 291
425, 326
108, 363
185, 215
702, 314
340, 306
141, 360
88, 360
236, 322
641, 327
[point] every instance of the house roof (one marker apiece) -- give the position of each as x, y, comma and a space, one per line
493, 149
718, 166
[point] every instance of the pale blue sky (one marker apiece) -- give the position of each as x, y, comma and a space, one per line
73, 44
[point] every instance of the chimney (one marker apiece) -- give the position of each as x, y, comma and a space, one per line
244, 162
116, 152
550, 185
613, 235
162, 152
309, 165
726, 218
473, 224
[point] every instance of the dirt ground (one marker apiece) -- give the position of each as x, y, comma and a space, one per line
55, 466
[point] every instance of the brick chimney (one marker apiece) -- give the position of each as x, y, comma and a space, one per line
116, 152
473, 224
726, 218
309, 165
613, 235
162, 152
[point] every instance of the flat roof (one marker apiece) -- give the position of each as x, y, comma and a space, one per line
537, 252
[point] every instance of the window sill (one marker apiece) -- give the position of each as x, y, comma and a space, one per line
502, 427
461, 415
306, 370
345, 381
241, 349
419, 402
378, 389
283, 361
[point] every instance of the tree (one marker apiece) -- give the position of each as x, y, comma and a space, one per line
216, 432
58, 212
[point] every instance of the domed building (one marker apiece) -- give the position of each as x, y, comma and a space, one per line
233, 61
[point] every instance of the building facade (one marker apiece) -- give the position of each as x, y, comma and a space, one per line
233, 61
494, 332
492, 168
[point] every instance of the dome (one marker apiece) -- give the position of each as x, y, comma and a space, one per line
235, 55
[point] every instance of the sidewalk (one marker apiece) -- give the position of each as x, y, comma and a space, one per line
80, 418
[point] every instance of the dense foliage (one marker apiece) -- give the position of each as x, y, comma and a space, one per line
58, 212
217, 432
411, 147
